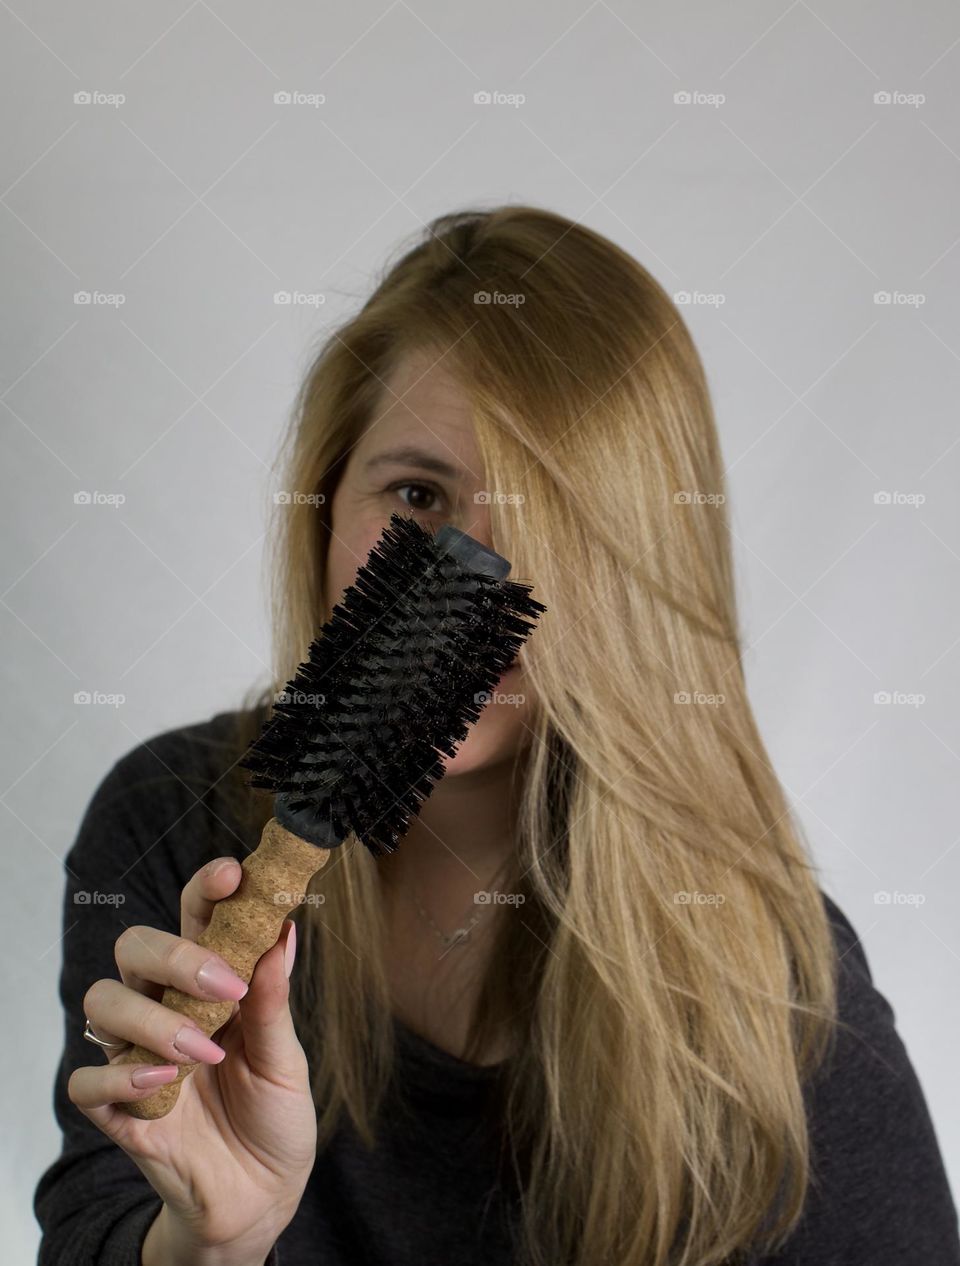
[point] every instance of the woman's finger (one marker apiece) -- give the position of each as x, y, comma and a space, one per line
94, 1090
210, 884
138, 1019
106, 1036
148, 959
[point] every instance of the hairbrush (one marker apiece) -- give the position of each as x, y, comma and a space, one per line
355, 742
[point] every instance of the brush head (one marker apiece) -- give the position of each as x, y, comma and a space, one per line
390, 685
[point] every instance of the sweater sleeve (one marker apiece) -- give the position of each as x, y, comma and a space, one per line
879, 1194
147, 829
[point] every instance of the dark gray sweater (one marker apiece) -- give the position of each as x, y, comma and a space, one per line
429, 1193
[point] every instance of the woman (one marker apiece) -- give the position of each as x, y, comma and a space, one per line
596, 1009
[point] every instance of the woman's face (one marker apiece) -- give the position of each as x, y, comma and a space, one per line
419, 456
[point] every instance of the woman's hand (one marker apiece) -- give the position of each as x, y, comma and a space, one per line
232, 1158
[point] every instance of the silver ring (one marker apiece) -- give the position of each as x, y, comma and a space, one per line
89, 1034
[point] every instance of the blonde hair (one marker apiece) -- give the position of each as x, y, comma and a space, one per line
672, 983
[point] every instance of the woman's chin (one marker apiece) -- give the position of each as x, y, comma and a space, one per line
497, 733
483, 751
468, 758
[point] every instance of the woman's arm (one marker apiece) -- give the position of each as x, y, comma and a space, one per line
144, 833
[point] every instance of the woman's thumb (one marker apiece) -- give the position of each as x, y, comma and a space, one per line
270, 1040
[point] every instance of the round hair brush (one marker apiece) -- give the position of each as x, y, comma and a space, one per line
391, 684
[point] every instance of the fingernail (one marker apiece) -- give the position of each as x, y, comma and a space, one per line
290, 950
196, 1045
211, 868
158, 1076
217, 979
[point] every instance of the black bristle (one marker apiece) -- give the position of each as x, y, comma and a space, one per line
389, 685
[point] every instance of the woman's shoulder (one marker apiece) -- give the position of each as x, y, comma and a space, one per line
170, 803
866, 1038
193, 756
879, 1191
857, 994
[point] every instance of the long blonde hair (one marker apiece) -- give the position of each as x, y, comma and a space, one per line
672, 982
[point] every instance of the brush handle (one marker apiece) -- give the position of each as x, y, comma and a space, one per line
242, 928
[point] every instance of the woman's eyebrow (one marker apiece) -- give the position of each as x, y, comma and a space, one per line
411, 455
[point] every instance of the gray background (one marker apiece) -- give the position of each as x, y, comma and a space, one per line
797, 199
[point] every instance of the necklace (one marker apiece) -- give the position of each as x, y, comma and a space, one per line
455, 938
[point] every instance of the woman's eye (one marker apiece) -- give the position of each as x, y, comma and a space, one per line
419, 492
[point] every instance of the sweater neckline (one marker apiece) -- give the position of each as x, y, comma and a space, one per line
435, 1056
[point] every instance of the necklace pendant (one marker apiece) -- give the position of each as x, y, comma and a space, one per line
461, 934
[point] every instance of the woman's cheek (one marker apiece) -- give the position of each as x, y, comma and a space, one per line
498, 732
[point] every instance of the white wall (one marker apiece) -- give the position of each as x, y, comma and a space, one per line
796, 199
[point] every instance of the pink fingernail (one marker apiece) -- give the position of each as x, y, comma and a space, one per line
217, 979
290, 950
196, 1045
221, 863
158, 1076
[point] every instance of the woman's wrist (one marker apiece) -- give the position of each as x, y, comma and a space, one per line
170, 1243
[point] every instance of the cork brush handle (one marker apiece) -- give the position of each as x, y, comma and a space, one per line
242, 928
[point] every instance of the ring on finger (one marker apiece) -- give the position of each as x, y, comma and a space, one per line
89, 1034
